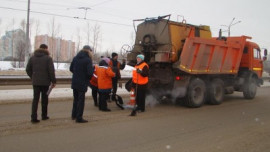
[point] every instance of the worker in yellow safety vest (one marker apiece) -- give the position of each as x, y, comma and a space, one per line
140, 82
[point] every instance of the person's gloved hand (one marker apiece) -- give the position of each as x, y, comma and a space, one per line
139, 71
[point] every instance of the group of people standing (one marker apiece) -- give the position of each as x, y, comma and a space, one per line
102, 79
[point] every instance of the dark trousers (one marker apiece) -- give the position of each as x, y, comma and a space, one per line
44, 101
114, 87
103, 97
78, 104
140, 98
95, 94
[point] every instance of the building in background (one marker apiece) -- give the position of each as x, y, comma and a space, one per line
12, 45
60, 50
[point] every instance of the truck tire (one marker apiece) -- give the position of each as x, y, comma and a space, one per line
196, 93
250, 88
216, 92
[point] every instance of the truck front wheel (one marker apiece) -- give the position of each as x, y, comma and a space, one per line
196, 93
250, 89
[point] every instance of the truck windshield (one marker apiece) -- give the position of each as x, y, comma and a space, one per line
256, 53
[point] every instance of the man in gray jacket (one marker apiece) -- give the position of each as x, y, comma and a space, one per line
40, 69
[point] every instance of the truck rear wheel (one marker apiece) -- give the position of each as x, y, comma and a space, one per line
250, 89
216, 92
196, 93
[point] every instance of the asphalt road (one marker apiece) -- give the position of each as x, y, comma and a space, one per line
237, 125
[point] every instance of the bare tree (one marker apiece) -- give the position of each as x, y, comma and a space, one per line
54, 30
23, 25
20, 51
78, 40
58, 52
107, 53
36, 30
37, 27
96, 37
0, 27
72, 52
1, 44
12, 38
88, 31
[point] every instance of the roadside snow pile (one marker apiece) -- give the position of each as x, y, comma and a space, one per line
5, 65
61, 68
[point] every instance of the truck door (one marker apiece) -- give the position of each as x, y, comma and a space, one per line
257, 64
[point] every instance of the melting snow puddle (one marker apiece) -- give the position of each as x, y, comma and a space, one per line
168, 147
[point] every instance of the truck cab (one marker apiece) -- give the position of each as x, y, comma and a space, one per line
252, 59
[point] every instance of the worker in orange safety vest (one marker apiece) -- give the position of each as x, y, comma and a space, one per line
140, 82
105, 75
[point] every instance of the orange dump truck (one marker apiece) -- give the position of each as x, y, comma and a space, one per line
187, 64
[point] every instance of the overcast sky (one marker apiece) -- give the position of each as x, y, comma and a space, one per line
115, 16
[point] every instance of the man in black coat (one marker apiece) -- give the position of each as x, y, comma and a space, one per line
82, 69
116, 67
40, 69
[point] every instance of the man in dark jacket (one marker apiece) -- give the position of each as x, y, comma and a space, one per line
40, 69
82, 69
116, 67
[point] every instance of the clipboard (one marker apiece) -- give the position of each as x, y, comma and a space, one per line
49, 90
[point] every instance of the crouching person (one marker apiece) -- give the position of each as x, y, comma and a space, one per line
105, 75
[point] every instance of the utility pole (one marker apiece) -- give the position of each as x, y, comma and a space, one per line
85, 8
28, 45
230, 25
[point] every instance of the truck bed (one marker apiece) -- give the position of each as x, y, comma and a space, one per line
212, 56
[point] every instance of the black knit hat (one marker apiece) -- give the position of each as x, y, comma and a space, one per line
114, 54
43, 46
87, 47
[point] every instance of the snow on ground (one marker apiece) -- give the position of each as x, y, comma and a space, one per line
7, 65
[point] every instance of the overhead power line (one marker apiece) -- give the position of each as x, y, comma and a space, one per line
101, 3
65, 16
39, 3
68, 7
60, 5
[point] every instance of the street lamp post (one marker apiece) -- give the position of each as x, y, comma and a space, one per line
27, 44
230, 25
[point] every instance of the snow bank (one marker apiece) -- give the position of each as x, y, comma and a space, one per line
7, 65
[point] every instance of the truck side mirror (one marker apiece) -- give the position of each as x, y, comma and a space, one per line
265, 52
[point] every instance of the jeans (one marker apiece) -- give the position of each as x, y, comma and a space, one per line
78, 104
44, 101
